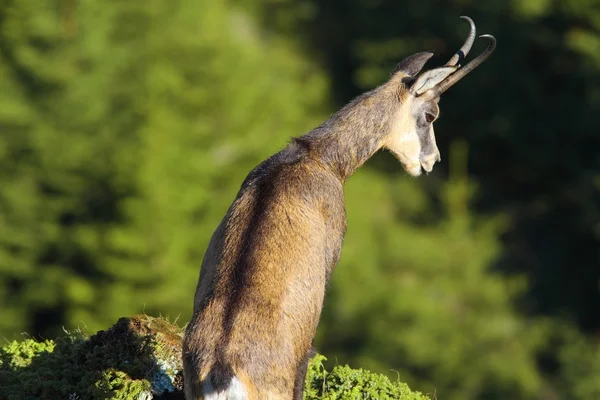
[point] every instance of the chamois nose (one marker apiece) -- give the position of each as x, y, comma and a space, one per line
428, 161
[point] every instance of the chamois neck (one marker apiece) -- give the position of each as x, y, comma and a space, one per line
352, 135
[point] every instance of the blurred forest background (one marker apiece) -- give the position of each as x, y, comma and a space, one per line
127, 127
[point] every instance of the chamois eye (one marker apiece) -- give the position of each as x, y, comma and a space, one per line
429, 117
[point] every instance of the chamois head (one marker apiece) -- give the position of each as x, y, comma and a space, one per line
411, 138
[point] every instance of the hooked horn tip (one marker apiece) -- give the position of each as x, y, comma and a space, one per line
464, 50
492, 40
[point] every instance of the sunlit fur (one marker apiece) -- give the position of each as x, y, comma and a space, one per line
263, 277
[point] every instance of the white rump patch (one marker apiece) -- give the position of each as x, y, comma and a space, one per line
235, 391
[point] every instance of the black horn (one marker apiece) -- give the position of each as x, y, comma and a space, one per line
462, 72
460, 55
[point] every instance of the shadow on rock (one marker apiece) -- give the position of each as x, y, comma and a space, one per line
137, 358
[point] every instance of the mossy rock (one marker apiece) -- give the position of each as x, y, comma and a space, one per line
139, 358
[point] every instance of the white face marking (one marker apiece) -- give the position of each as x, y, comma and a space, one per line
406, 147
412, 138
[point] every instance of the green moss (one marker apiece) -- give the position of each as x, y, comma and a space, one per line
21, 353
136, 358
139, 358
346, 383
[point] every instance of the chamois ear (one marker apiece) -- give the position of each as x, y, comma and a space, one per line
412, 65
430, 79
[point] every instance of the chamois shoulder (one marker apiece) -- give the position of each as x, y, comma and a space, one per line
294, 153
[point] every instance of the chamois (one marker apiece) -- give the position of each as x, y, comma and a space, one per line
263, 277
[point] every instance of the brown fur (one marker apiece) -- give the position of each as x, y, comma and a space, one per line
263, 277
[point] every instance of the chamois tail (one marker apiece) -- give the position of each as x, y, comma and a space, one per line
234, 390
222, 384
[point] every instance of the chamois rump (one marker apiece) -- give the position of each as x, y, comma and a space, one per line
263, 277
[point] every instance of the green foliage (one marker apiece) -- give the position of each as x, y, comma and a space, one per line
409, 308
135, 357
19, 354
126, 128
345, 383
580, 361
127, 131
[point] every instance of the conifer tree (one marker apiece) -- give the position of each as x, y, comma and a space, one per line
127, 130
